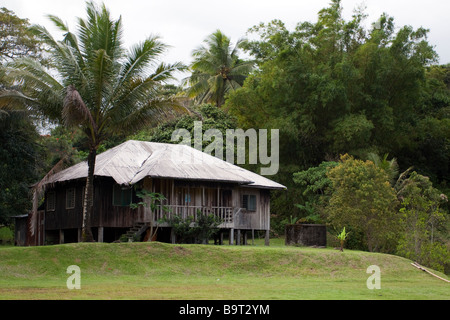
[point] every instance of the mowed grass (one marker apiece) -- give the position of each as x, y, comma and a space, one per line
207, 272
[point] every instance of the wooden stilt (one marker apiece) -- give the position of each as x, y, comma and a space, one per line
172, 236
267, 238
100, 234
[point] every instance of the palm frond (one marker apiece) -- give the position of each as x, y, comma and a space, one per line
11, 100
70, 38
99, 32
139, 58
58, 23
151, 114
34, 87
165, 71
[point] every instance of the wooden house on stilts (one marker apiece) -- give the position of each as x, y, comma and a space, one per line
190, 180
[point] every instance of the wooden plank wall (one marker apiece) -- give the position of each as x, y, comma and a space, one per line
63, 218
110, 216
257, 220
104, 213
209, 194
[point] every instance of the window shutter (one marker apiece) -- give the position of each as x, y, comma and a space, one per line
70, 198
245, 201
252, 203
51, 201
122, 197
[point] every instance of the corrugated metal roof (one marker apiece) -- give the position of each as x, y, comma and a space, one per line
132, 161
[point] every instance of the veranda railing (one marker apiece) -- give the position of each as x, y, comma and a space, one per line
224, 213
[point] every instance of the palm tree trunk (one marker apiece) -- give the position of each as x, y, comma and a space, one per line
86, 232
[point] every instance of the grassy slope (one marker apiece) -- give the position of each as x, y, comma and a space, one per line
164, 271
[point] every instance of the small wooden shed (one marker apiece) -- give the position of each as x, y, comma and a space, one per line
20, 229
190, 180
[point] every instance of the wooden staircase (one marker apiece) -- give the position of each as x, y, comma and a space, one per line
136, 231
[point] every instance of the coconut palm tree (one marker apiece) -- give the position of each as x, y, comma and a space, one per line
93, 83
216, 70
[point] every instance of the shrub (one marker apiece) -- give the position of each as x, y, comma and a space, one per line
363, 200
190, 230
6, 235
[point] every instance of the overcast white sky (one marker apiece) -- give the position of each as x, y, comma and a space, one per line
185, 24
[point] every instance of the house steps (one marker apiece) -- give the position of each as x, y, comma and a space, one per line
136, 231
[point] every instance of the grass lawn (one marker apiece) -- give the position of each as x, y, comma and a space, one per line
206, 272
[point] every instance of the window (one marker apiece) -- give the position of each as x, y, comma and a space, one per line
122, 196
51, 201
70, 198
249, 202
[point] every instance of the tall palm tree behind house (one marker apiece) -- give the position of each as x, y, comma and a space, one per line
216, 70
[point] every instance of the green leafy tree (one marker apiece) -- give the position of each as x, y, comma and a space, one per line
424, 223
334, 87
431, 157
316, 190
217, 70
210, 116
15, 38
315, 181
19, 148
364, 200
19, 152
93, 83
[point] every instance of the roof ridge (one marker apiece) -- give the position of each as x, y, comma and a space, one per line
133, 160
142, 164
118, 147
